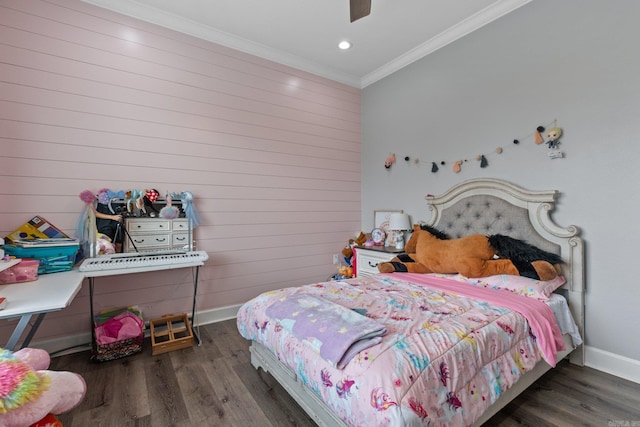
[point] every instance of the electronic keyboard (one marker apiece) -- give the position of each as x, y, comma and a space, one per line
141, 260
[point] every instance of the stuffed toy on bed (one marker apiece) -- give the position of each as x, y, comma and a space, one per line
30, 393
431, 251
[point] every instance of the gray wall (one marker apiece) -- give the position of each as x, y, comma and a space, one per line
575, 61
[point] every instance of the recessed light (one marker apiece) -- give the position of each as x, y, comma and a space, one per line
344, 45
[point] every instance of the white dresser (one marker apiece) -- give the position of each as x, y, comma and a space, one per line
367, 258
156, 234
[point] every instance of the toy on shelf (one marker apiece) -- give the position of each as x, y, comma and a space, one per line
104, 246
347, 251
169, 211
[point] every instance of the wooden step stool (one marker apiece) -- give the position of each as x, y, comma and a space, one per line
170, 332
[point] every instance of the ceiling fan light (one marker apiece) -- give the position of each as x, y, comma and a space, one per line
344, 45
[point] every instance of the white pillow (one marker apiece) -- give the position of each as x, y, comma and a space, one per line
516, 284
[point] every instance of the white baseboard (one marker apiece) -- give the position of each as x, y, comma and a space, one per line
82, 342
613, 364
217, 314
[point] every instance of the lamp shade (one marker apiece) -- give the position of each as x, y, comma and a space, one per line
399, 221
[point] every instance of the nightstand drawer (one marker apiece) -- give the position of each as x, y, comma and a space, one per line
367, 260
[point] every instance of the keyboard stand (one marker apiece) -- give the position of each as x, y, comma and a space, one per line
92, 275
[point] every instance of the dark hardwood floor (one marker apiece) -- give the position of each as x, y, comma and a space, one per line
216, 385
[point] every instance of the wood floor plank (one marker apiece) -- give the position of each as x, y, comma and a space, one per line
586, 407
227, 341
206, 340
216, 385
568, 410
123, 397
197, 390
239, 406
279, 408
166, 400
597, 383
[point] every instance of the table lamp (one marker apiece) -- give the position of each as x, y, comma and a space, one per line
399, 222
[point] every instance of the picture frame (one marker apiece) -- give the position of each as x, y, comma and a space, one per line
381, 220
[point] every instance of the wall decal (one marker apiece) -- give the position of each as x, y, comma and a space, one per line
552, 141
390, 161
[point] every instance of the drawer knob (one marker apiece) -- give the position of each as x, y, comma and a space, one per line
160, 240
373, 265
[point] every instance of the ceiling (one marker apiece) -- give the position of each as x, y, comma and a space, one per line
305, 33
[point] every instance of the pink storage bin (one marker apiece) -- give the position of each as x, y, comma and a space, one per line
25, 271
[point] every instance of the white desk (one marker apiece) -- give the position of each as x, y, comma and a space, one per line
55, 291
51, 292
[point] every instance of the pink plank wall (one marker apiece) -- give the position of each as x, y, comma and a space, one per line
92, 99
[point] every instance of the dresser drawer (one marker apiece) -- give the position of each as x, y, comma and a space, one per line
147, 225
179, 239
180, 225
146, 240
158, 234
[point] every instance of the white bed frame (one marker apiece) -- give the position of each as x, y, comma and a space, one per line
486, 206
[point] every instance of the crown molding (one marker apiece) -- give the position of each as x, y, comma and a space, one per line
474, 22
183, 25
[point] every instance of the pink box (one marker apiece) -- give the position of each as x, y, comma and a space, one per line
25, 271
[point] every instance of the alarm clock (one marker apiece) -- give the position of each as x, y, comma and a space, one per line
378, 236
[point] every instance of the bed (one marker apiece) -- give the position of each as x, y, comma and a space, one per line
435, 349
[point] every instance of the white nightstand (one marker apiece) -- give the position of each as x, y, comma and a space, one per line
368, 257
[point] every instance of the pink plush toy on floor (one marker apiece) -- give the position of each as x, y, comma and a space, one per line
30, 392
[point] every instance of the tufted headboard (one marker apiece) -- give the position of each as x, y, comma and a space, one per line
491, 206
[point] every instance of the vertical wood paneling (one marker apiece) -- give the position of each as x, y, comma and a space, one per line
92, 99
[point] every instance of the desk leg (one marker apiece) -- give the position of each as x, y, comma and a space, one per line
193, 308
93, 329
91, 299
33, 330
20, 328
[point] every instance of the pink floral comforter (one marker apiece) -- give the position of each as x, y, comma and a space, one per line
445, 358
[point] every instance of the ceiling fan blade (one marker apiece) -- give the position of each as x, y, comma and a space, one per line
359, 9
